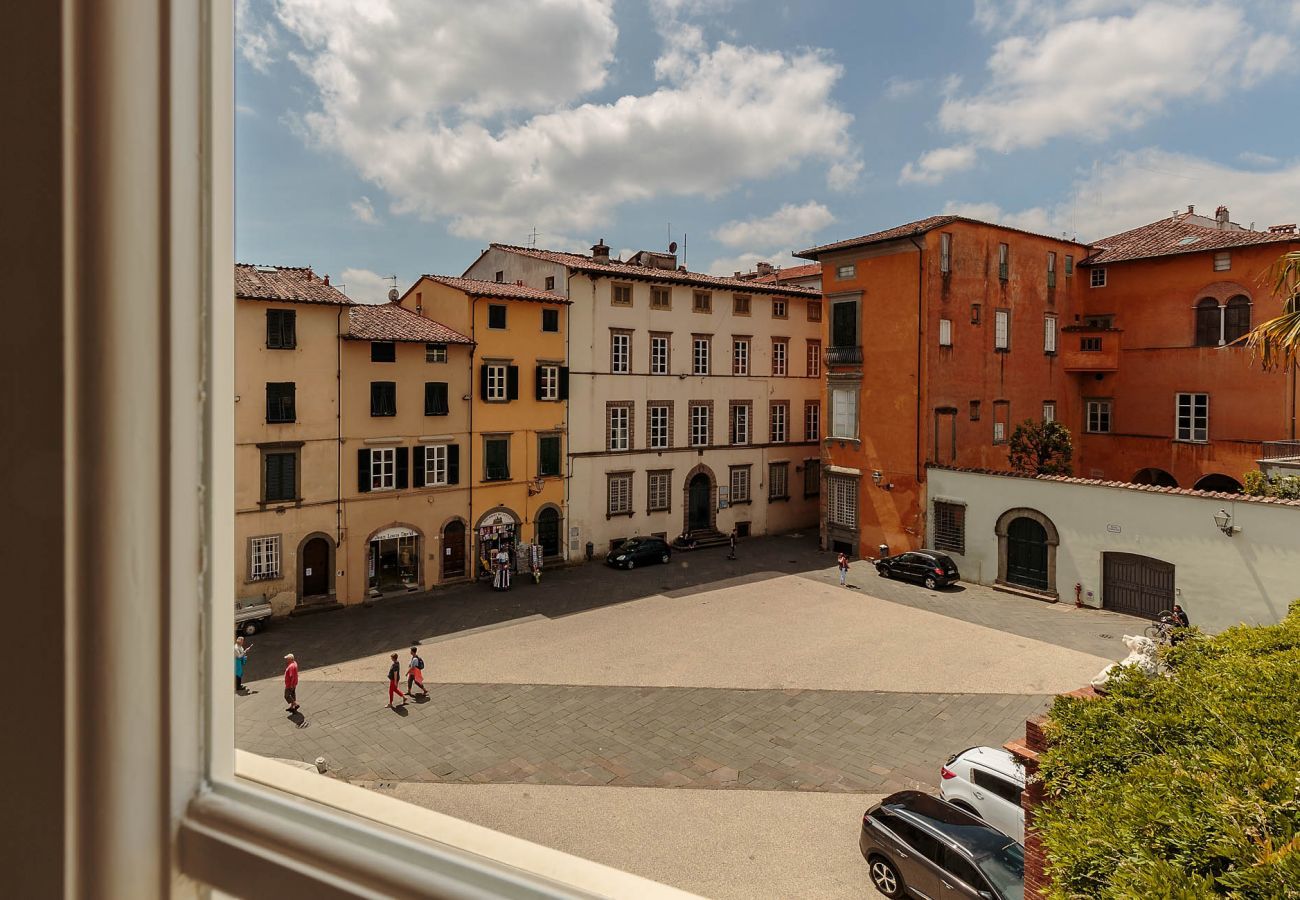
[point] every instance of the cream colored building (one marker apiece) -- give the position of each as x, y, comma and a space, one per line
349, 424
694, 401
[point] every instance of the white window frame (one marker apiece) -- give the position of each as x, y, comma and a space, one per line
1096, 413
620, 353
739, 356
844, 414
658, 491
1097, 277
945, 253
779, 422
618, 493
435, 353
619, 428
1049, 334
812, 421
1223, 261
700, 425
740, 492
848, 271
435, 465
657, 423
550, 377
780, 310
264, 557
658, 354
496, 381
1192, 417
814, 352
1049, 411
383, 468
1002, 329
778, 476
740, 423
945, 332
780, 357
842, 501
999, 432
700, 352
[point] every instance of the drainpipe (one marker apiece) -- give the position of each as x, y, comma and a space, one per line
469, 457
920, 311
338, 442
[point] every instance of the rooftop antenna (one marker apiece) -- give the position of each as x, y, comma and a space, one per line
532, 238
392, 291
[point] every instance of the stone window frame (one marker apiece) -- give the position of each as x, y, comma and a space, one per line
739, 308
610, 477
783, 466
667, 476
667, 338
772, 407
702, 302
780, 308
708, 354
814, 310
630, 411
784, 344
737, 340
649, 431
690, 421
263, 450
614, 335
813, 358
732, 472
748, 407
614, 289
657, 291
812, 414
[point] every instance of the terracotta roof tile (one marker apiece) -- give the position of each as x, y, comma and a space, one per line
581, 263
1176, 235
391, 322
476, 287
792, 273
286, 284
920, 226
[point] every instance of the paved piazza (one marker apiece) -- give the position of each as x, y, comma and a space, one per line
716, 725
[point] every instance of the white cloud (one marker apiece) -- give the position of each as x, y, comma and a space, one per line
364, 211
720, 116
364, 286
256, 36
1251, 158
788, 226
898, 88
1033, 219
745, 262
935, 165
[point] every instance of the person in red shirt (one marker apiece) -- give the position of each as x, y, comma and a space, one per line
291, 684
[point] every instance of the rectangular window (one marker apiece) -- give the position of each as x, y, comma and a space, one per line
548, 382
1097, 416
435, 398
778, 309
495, 385
778, 422
844, 413
621, 294
1222, 261
496, 459
620, 352
740, 423
974, 410
658, 354
740, 356
435, 353
281, 329
740, 484
702, 301
844, 323
383, 398
1001, 421
661, 298
1193, 417
812, 420
1097, 278
1001, 329
812, 477
658, 491
383, 468
780, 352
1106, 322
551, 320
740, 305
496, 316
1004, 262
550, 283
383, 351
700, 355
950, 527
974, 313
1069, 265
945, 253
1051, 269
814, 310
814, 364
280, 476
548, 455
1049, 334
945, 332
1090, 345
618, 428
1049, 411
264, 558
842, 501
280, 406
435, 465
701, 425
620, 493
657, 422
500, 276
843, 272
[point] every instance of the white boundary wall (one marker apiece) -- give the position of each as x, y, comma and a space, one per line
1250, 577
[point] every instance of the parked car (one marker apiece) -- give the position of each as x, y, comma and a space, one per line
639, 551
916, 845
930, 567
986, 782
251, 615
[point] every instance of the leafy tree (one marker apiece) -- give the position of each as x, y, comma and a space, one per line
1041, 448
1182, 786
1276, 343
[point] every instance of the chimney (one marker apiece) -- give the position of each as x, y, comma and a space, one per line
1190, 209
600, 252
765, 268
327, 279
1282, 229
1221, 217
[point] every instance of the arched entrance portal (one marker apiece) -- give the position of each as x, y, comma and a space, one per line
1027, 542
394, 559
1223, 483
453, 549
1157, 477
316, 567
698, 505
547, 526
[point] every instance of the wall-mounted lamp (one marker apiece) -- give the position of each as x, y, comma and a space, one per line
1223, 519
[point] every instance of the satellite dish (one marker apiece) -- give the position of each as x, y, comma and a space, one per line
392, 295
672, 248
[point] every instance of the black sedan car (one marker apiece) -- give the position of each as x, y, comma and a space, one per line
639, 551
916, 845
930, 567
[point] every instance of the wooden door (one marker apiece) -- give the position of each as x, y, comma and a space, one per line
453, 550
316, 567
1027, 554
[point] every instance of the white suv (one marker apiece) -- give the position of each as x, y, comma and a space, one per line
987, 782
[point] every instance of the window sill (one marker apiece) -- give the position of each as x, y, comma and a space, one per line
665, 509
1190, 441
781, 499
620, 515
281, 421
291, 501
744, 502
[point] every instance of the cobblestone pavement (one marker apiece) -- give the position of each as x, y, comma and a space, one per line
856, 741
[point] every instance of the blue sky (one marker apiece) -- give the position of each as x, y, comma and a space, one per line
397, 137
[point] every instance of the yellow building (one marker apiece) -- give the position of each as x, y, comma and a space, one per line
518, 413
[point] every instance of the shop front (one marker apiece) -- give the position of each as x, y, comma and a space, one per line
394, 560
498, 530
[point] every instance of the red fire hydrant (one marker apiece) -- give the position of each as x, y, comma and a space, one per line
1078, 595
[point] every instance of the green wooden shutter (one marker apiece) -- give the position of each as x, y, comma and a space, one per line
417, 466
363, 471
453, 463
512, 382
403, 467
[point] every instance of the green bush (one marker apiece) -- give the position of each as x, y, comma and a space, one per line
1284, 487
1186, 786
1254, 483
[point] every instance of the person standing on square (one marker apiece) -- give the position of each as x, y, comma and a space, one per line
291, 683
731, 543
843, 562
241, 657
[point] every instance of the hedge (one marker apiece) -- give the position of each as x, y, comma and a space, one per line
1185, 786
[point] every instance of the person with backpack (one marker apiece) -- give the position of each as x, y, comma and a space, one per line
415, 674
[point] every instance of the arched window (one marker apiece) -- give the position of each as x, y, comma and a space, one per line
1207, 323
1236, 318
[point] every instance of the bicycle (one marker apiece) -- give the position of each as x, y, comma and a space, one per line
1162, 630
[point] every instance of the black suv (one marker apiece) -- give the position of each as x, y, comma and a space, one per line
919, 846
639, 551
930, 567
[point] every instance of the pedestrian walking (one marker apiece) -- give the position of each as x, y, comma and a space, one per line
394, 673
241, 657
844, 570
291, 683
732, 544
415, 674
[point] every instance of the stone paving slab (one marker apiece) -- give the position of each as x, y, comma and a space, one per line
840, 741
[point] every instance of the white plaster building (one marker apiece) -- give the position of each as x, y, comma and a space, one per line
694, 401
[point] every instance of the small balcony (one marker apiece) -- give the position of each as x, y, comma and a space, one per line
843, 356
1086, 348
1280, 451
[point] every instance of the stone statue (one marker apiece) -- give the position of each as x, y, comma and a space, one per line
1141, 654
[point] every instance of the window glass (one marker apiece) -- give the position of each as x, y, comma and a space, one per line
435, 465
1002, 329
496, 459
435, 398
1097, 278
945, 332
657, 487
496, 316
548, 454
661, 298
620, 496
845, 271
700, 356
814, 363
435, 353
264, 558
620, 353
812, 420
1207, 322
1098, 416
280, 407
1049, 334
550, 320
1193, 417
658, 354
740, 305
618, 428
1236, 319
814, 310
740, 356
778, 480
658, 419
996, 785
622, 294
383, 351
740, 484
281, 329
778, 309
699, 425
844, 413
962, 869
702, 301
779, 349
844, 323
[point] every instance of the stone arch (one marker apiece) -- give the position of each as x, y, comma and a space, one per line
704, 470
421, 543
477, 537
559, 526
463, 557
298, 562
1002, 529
1216, 481
1154, 476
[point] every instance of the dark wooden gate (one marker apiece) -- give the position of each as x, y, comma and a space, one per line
453, 550
699, 499
1137, 585
316, 567
1027, 554
548, 531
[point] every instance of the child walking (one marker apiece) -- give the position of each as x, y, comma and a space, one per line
394, 673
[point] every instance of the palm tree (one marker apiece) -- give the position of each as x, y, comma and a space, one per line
1276, 343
